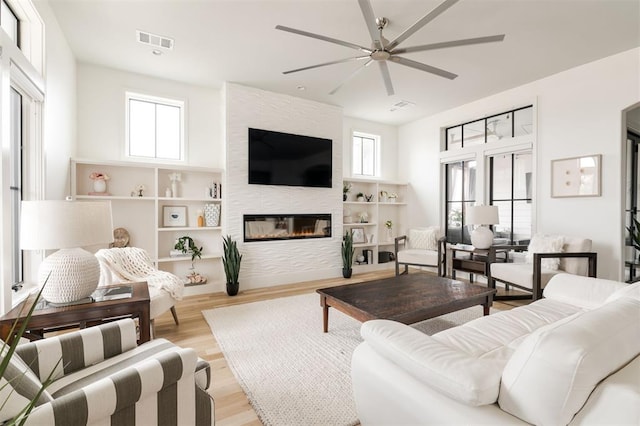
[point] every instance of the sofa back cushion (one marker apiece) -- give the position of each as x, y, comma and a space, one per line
575, 266
18, 386
424, 238
551, 374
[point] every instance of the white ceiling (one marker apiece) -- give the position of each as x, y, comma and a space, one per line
235, 40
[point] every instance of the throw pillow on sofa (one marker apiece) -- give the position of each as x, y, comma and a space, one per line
558, 366
545, 244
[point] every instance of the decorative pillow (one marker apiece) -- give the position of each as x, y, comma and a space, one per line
423, 238
545, 244
18, 386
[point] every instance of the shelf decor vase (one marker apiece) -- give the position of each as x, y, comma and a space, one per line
174, 189
99, 185
212, 214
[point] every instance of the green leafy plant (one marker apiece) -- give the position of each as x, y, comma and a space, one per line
346, 187
347, 250
187, 245
7, 352
634, 233
231, 259
388, 224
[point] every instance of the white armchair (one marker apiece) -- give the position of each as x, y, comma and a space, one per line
546, 256
421, 247
127, 264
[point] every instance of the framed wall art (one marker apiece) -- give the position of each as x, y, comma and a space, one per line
174, 216
576, 177
358, 235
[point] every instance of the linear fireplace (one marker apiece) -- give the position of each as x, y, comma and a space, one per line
276, 227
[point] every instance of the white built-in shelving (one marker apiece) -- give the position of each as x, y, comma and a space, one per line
142, 216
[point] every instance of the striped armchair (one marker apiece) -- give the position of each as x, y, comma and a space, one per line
105, 378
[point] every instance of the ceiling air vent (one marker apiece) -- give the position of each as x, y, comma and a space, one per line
154, 40
401, 105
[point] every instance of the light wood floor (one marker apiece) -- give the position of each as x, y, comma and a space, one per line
232, 406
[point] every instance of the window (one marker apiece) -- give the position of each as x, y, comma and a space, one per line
365, 155
460, 184
9, 22
155, 128
514, 123
15, 187
510, 190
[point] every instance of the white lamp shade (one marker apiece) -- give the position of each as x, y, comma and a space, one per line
482, 215
55, 224
70, 273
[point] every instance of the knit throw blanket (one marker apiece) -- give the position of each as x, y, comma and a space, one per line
134, 264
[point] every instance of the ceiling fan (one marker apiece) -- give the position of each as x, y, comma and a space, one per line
383, 50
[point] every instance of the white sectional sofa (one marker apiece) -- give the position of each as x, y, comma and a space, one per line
572, 357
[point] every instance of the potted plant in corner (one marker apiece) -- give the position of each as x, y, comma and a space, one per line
346, 187
347, 254
231, 259
187, 246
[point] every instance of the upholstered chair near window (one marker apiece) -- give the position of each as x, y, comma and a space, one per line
545, 257
421, 247
130, 264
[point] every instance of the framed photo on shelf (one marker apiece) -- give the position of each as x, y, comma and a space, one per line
358, 235
174, 216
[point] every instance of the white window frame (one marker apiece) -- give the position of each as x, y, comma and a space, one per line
377, 154
180, 104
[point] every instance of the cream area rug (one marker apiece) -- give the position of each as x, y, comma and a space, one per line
292, 372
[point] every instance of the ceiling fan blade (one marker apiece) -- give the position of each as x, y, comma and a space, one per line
422, 22
454, 43
353, 74
384, 69
339, 61
370, 20
323, 38
423, 67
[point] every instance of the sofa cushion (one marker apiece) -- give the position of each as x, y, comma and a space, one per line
418, 257
18, 386
520, 273
585, 292
551, 374
545, 244
423, 238
626, 290
575, 266
464, 378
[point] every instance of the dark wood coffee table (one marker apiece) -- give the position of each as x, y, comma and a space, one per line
406, 298
82, 315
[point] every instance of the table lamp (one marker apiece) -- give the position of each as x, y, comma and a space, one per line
482, 236
67, 226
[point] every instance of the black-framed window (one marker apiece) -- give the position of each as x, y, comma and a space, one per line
9, 22
460, 194
508, 124
510, 177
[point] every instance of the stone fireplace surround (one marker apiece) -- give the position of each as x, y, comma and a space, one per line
278, 227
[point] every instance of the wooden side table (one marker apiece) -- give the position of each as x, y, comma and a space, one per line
82, 315
473, 260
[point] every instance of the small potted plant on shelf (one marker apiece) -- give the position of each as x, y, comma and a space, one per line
231, 259
389, 225
187, 245
360, 197
346, 187
347, 254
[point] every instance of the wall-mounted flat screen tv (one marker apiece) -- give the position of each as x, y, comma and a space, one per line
277, 158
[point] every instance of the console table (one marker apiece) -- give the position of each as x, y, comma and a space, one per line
51, 319
473, 260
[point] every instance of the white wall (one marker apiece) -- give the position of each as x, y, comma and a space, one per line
579, 113
388, 145
280, 262
59, 130
101, 114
